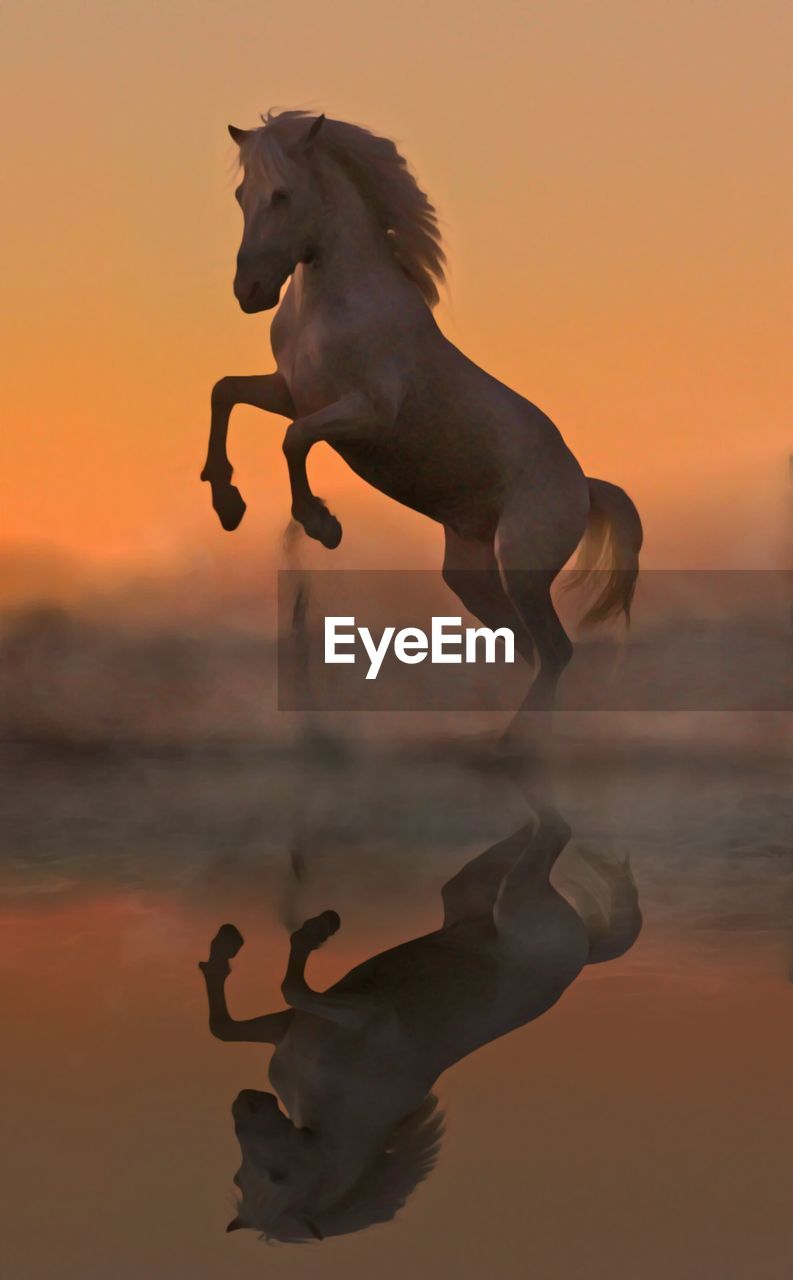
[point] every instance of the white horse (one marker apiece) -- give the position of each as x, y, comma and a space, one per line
355, 1065
363, 366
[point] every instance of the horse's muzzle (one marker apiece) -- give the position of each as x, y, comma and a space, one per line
254, 299
250, 1102
259, 280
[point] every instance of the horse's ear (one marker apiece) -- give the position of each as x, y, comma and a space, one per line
316, 125
235, 1225
312, 1226
239, 135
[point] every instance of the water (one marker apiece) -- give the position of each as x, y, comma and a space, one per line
640, 1127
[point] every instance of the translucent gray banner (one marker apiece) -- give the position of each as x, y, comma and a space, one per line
370, 640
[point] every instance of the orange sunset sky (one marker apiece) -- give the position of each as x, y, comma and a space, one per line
615, 187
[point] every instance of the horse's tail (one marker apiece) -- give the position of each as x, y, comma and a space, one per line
609, 555
606, 899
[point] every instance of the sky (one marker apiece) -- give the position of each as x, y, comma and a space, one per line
614, 185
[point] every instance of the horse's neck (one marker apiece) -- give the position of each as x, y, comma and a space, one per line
352, 251
350, 1134
323, 1091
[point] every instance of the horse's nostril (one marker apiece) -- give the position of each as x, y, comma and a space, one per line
253, 291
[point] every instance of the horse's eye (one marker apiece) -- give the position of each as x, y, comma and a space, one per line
279, 196
276, 1175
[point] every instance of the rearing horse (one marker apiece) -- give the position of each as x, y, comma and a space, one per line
363, 366
355, 1066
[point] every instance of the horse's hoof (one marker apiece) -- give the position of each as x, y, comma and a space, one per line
229, 505
320, 525
226, 942
330, 536
318, 929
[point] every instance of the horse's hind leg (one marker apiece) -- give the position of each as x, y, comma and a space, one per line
537, 534
475, 889
472, 892
531, 593
470, 570
532, 918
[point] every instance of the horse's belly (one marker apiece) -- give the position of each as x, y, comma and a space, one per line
468, 503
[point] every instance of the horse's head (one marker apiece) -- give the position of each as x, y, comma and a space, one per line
281, 207
279, 1169
295, 1186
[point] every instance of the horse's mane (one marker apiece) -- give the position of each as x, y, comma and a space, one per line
383, 179
378, 1195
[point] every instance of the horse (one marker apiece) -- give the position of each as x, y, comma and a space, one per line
355, 1066
362, 365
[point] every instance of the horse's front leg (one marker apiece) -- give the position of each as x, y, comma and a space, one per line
268, 1029
350, 1011
351, 419
264, 391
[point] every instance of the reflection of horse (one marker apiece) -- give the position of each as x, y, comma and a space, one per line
354, 1066
362, 366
